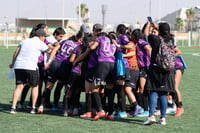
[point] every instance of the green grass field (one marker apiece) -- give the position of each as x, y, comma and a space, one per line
24, 122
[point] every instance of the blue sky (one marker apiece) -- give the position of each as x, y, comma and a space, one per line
118, 11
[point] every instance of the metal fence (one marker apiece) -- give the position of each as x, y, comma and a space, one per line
182, 39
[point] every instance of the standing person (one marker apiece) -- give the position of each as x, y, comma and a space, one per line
179, 70
25, 61
159, 82
105, 50
143, 55
132, 85
121, 44
90, 70
42, 72
60, 67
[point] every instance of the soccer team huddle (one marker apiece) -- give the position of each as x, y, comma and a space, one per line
101, 65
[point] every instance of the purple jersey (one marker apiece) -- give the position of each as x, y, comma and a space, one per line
67, 47
142, 54
178, 62
92, 59
41, 57
123, 40
77, 67
105, 50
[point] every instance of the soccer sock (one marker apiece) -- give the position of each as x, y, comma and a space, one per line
138, 98
97, 101
76, 99
110, 95
176, 101
134, 105
44, 95
103, 100
57, 93
181, 103
121, 97
24, 93
65, 104
88, 102
47, 97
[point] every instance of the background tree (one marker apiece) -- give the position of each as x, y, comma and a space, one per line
84, 11
190, 15
179, 23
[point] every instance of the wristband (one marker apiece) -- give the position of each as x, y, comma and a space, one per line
49, 61
118, 45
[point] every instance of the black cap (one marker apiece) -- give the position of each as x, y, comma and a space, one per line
40, 32
97, 27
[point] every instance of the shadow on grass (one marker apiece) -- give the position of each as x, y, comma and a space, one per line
5, 108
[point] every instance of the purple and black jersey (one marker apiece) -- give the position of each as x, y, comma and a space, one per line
67, 47
123, 40
142, 54
41, 57
77, 67
105, 50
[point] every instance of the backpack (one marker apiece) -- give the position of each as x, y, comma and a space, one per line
165, 57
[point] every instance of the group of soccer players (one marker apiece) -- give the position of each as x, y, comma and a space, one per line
90, 62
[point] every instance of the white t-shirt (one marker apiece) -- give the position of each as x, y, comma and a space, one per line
30, 50
51, 40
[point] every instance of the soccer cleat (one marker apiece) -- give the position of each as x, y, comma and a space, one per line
121, 115
99, 115
33, 111
20, 107
144, 114
75, 111
110, 117
150, 120
40, 110
65, 114
138, 110
162, 121
13, 111
86, 115
179, 112
171, 111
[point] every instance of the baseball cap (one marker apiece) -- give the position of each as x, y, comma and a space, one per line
40, 32
97, 27
85, 28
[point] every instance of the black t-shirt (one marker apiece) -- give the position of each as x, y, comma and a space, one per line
154, 41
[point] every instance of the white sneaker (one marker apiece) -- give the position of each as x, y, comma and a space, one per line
13, 111
40, 109
162, 121
150, 120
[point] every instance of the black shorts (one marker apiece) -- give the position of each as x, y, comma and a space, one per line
90, 75
105, 73
144, 72
24, 76
181, 69
127, 77
59, 71
133, 82
42, 72
75, 81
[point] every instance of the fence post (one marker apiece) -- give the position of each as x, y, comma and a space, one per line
189, 39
